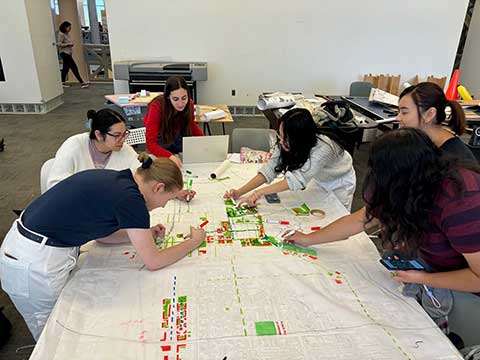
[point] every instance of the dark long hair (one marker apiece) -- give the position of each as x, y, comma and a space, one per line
171, 116
426, 95
301, 134
102, 121
64, 25
405, 173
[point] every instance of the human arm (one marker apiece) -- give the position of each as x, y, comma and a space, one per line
152, 122
154, 259
186, 195
467, 279
459, 223
253, 183
340, 229
121, 236
326, 162
277, 187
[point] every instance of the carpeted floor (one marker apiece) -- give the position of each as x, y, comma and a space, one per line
32, 139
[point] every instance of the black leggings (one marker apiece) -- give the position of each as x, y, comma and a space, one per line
69, 63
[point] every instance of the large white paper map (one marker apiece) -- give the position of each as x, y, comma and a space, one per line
242, 294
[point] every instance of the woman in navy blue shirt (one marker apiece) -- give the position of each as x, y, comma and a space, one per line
109, 206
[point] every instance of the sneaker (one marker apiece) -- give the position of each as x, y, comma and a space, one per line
66, 85
85, 85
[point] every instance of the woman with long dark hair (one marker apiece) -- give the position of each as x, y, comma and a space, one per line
428, 206
169, 118
302, 154
65, 46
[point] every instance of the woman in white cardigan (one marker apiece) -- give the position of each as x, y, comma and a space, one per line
102, 148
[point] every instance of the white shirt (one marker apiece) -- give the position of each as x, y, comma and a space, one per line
74, 156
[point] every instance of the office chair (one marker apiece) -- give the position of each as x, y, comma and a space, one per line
360, 88
256, 139
137, 136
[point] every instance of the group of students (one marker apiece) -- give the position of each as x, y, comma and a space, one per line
426, 201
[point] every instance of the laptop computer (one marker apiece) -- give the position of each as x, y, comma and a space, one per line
204, 149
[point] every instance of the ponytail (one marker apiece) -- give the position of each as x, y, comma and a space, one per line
456, 120
162, 170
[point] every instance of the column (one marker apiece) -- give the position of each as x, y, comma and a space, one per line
92, 15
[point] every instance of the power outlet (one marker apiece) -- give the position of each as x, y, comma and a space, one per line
234, 92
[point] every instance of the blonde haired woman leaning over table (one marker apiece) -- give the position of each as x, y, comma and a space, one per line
109, 206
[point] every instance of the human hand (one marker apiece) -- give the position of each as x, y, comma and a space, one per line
232, 194
251, 200
409, 276
177, 161
186, 195
197, 235
158, 231
297, 238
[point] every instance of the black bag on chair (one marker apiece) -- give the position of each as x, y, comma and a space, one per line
5, 328
339, 112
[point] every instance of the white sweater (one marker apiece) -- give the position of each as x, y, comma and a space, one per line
328, 164
74, 156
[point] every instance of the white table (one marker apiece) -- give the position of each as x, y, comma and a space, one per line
340, 304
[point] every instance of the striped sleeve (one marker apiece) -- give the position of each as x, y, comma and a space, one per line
460, 219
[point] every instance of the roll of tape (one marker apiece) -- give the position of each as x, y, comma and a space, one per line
318, 213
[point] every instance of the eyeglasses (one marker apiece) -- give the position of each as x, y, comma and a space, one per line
120, 136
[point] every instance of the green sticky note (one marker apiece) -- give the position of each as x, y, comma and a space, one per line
263, 328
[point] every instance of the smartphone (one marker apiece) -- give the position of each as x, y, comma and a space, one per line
272, 198
392, 264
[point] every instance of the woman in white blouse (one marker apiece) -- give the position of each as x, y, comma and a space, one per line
102, 148
303, 153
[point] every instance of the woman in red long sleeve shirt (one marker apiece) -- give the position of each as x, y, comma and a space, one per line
169, 118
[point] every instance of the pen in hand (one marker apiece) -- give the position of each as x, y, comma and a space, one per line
201, 226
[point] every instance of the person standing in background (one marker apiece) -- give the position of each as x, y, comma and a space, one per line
65, 45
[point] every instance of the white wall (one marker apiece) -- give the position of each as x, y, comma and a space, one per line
21, 85
29, 60
470, 66
310, 45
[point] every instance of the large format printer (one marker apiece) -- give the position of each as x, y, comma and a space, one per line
152, 75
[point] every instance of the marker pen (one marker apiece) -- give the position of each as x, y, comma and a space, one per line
289, 233
277, 222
